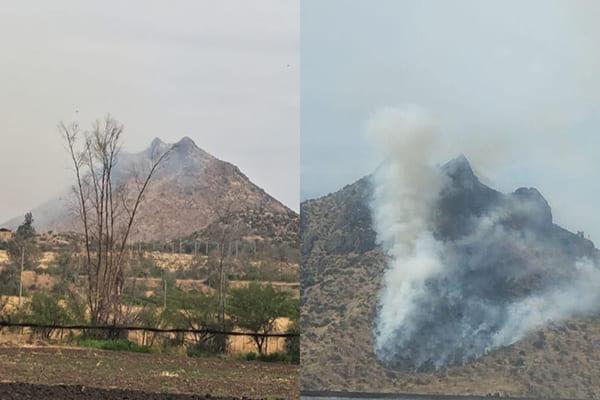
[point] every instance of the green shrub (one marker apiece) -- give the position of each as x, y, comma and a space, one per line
272, 357
208, 345
292, 343
200, 351
9, 280
114, 345
45, 309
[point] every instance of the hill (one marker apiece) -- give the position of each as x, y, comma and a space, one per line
522, 253
190, 190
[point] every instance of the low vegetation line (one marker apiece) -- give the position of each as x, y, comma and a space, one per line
141, 328
113, 345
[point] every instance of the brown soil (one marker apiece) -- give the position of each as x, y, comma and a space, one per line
23, 391
156, 373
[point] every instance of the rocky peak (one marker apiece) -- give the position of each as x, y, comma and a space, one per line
462, 199
187, 148
530, 194
156, 148
186, 143
530, 208
156, 142
460, 171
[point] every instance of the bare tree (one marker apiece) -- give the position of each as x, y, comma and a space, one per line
107, 208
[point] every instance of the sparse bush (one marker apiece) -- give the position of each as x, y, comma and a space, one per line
196, 310
45, 309
5, 314
272, 357
9, 280
212, 346
292, 343
66, 269
148, 317
144, 266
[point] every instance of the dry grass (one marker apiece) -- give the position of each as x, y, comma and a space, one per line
3, 257
174, 261
171, 262
48, 257
33, 280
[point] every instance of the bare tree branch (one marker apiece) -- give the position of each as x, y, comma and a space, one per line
100, 199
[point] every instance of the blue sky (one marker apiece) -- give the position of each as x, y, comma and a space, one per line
512, 85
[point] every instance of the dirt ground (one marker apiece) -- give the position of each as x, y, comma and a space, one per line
23, 391
73, 368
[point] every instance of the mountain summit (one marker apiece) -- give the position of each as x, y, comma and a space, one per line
190, 190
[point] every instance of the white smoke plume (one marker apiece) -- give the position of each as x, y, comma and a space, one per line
451, 298
406, 187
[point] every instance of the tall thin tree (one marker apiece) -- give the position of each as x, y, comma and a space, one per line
107, 208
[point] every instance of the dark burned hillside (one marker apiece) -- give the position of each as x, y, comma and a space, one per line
341, 277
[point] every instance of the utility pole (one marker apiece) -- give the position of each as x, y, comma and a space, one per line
165, 295
21, 274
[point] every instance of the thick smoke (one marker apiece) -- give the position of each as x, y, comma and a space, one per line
470, 269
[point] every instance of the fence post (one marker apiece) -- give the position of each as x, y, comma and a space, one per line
165, 295
21, 274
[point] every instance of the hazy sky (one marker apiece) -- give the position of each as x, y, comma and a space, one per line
225, 73
513, 85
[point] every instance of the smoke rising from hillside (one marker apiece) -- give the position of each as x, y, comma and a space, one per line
470, 269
